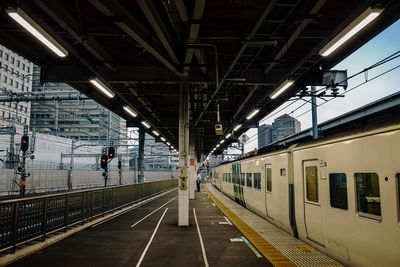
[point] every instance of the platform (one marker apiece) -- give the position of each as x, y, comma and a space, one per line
148, 235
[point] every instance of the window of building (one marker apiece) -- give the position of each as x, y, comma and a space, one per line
257, 180
23, 66
312, 183
269, 179
12, 60
249, 178
10, 82
28, 69
368, 195
338, 190
17, 63
24, 120
2, 114
5, 56
1, 53
16, 84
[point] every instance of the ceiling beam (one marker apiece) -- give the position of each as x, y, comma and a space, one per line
153, 16
134, 29
60, 16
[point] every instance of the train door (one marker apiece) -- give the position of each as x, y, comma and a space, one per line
312, 204
268, 190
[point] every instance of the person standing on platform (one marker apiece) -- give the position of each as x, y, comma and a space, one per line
198, 182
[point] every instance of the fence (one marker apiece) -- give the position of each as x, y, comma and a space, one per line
22, 220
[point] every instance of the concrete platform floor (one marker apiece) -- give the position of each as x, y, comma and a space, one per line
123, 240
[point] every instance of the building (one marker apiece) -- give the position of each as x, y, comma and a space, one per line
264, 135
15, 77
77, 119
284, 126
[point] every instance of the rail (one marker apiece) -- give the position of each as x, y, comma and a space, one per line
22, 220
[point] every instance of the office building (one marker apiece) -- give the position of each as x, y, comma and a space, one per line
264, 135
284, 126
15, 77
77, 119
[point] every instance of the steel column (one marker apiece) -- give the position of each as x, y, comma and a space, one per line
141, 154
192, 167
314, 112
183, 190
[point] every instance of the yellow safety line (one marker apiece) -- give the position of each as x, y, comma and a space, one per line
266, 249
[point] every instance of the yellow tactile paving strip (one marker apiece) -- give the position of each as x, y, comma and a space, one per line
264, 247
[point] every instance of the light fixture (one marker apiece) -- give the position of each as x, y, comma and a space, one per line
168, 143
145, 124
281, 88
252, 114
38, 32
222, 141
217, 145
353, 28
228, 135
162, 139
237, 127
102, 87
156, 133
130, 111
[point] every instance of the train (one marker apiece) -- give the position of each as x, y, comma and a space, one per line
340, 194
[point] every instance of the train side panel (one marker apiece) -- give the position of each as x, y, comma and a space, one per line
347, 201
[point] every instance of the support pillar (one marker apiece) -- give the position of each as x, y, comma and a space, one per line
314, 113
141, 155
183, 190
192, 167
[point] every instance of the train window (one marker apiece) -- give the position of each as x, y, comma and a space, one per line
243, 179
249, 181
283, 172
230, 177
257, 180
368, 196
269, 179
338, 190
312, 183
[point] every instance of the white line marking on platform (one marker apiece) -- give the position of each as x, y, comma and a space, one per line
151, 239
236, 239
201, 240
227, 220
223, 223
145, 217
213, 204
255, 251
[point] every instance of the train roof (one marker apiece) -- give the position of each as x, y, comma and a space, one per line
381, 113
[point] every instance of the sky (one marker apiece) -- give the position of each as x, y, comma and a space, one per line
378, 48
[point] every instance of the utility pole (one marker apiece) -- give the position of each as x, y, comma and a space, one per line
22, 169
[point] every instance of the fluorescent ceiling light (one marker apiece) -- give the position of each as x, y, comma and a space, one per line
222, 141
352, 29
252, 114
237, 127
130, 111
172, 147
281, 88
38, 32
102, 87
163, 139
168, 143
228, 135
156, 133
218, 145
145, 124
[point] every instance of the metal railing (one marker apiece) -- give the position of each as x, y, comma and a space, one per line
22, 220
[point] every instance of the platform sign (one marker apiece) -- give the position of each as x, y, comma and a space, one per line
7, 130
191, 162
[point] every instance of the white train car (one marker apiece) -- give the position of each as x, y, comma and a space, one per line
339, 195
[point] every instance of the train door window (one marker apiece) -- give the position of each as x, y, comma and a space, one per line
269, 179
249, 181
368, 195
230, 177
257, 180
338, 190
312, 183
243, 179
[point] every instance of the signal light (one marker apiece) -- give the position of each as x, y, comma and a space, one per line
111, 152
25, 143
104, 161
